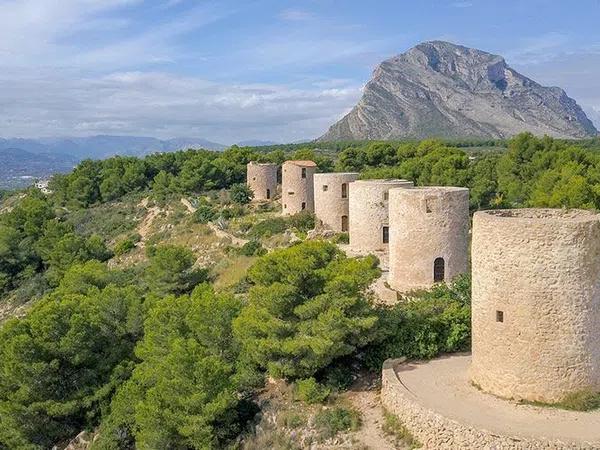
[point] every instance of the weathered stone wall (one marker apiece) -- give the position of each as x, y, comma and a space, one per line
368, 210
331, 199
262, 180
536, 302
295, 190
427, 223
436, 432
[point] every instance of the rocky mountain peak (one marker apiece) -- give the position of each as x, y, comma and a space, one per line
442, 89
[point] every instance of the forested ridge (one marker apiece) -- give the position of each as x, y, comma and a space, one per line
154, 353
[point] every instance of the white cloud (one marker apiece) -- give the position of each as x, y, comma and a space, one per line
53, 33
165, 105
462, 4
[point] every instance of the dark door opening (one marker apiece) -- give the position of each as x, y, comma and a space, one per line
303, 205
438, 270
344, 223
268, 194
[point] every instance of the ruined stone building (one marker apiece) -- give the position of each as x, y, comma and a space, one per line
297, 188
368, 213
332, 198
536, 303
429, 236
262, 180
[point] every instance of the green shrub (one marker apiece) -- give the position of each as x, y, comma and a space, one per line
340, 375
240, 193
307, 307
204, 214
233, 211
309, 391
342, 238
433, 322
269, 227
124, 246
581, 401
303, 221
292, 419
392, 426
252, 248
332, 421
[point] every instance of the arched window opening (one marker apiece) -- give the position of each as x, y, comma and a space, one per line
344, 190
438, 270
344, 223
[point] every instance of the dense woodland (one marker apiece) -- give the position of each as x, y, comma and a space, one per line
153, 355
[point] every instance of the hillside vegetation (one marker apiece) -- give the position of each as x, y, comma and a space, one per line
150, 301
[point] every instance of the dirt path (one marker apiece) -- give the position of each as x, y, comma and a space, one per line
225, 235
364, 396
146, 224
188, 205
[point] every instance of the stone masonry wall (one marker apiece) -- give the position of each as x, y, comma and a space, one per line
368, 211
296, 190
262, 180
536, 303
427, 223
331, 199
436, 432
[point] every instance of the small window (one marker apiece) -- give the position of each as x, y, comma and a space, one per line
344, 224
253, 178
268, 194
386, 196
499, 316
303, 205
386, 235
325, 187
439, 270
290, 192
284, 206
427, 206
303, 173
344, 190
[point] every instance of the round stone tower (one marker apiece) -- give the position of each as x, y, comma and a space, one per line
262, 180
536, 303
429, 236
297, 188
331, 199
368, 213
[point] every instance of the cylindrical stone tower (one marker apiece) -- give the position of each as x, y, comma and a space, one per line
536, 303
429, 236
297, 188
368, 211
262, 180
331, 199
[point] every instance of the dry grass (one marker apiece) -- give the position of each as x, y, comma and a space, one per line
228, 272
392, 426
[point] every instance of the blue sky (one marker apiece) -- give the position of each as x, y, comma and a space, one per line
256, 69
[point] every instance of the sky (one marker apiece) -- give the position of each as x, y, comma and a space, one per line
273, 70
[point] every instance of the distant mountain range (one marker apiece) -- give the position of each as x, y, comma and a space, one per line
439, 89
22, 160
